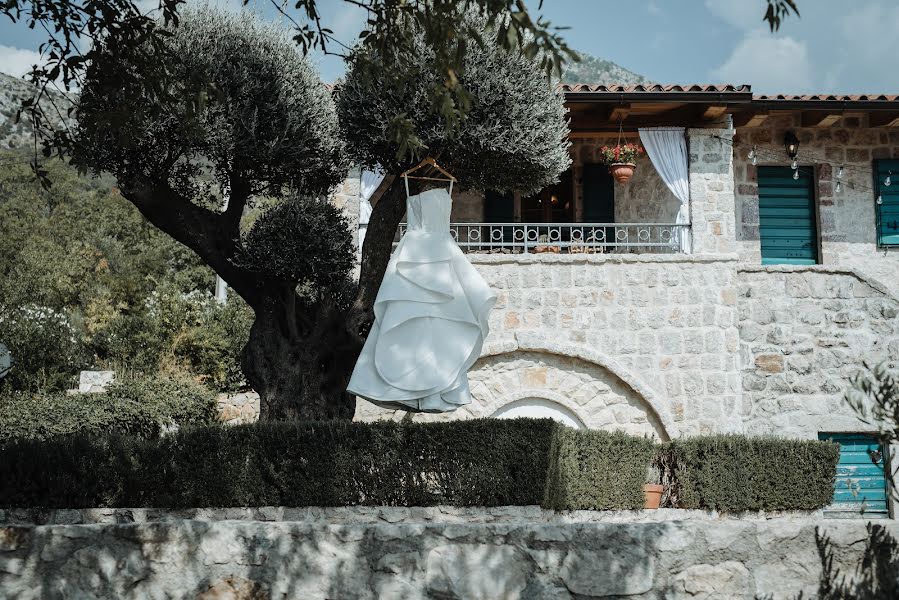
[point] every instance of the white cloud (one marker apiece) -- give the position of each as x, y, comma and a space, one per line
653, 8
742, 14
770, 64
17, 61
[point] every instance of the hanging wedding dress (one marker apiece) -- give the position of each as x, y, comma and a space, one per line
430, 318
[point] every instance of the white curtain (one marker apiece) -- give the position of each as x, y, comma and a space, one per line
370, 182
667, 149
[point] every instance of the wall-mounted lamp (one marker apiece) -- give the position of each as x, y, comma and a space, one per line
791, 144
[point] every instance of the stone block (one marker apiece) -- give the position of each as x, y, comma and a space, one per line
94, 381
770, 363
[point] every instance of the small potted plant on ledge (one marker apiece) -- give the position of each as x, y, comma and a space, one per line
622, 160
652, 490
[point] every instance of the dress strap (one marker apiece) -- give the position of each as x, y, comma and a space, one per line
406, 181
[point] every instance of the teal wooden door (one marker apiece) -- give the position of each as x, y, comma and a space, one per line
787, 217
861, 484
888, 210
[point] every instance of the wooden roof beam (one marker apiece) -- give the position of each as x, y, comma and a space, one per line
750, 119
883, 119
714, 112
620, 112
820, 118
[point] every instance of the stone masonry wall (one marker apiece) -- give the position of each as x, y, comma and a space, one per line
646, 344
803, 333
256, 560
711, 173
847, 220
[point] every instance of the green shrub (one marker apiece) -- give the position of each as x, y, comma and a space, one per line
736, 473
212, 347
596, 470
143, 408
47, 350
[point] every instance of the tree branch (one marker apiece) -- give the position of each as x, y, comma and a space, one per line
211, 235
385, 218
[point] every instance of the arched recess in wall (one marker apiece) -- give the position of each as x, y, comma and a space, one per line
529, 367
539, 408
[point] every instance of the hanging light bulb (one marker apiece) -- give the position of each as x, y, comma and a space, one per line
795, 164
839, 186
879, 199
752, 154
840, 172
889, 180
796, 174
755, 159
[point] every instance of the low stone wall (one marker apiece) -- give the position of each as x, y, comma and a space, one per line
774, 558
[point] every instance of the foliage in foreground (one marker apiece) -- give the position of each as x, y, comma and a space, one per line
139, 407
874, 397
733, 473
483, 462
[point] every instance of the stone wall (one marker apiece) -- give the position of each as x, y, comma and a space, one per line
803, 333
711, 172
847, 220
645, 344
776, 559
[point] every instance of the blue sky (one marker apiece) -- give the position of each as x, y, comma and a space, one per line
836, 45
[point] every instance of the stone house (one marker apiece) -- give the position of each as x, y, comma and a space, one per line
789, 281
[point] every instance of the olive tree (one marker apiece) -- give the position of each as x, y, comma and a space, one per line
247, 115
513, 135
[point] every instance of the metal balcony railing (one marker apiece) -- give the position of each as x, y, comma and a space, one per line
566, 238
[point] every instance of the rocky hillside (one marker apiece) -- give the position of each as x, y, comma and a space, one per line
13, 135
597, 70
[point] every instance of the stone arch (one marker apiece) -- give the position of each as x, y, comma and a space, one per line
488, 396
598, 395
541, 404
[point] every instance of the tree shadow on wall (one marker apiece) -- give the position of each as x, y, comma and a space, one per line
875, 578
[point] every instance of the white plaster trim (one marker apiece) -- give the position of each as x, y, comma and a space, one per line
539, 393
529, 342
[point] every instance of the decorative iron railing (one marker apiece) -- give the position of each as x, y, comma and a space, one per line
566, 238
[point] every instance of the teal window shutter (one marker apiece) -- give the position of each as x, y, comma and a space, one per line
787, 218
888, 209
861, 483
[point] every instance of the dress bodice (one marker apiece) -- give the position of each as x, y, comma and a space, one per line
429, 211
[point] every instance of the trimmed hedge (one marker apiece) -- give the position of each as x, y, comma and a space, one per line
596, 470
736, 473
144, 408
484, 462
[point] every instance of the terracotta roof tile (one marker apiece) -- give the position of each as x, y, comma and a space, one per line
829, 97
653, 88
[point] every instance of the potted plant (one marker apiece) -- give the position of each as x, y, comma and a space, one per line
622, 160
652, 490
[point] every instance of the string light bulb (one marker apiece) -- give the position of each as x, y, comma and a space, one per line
796, 174
889, 180
794, 165
839, 186
751, 153
879, 199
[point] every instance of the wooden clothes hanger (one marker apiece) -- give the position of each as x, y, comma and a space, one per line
431, 165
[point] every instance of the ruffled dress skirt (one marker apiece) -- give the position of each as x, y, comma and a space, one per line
430, 323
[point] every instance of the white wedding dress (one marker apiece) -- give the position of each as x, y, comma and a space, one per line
430, 318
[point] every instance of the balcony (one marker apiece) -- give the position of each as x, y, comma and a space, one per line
567, 238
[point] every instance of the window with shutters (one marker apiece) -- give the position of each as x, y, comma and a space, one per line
787, 216
887, 201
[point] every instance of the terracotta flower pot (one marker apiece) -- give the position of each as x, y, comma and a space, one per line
622, 172
653, 495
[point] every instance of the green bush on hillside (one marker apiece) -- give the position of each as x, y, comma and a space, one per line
141, 408
735, 473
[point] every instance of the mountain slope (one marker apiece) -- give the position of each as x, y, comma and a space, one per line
597, 70
13, 135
